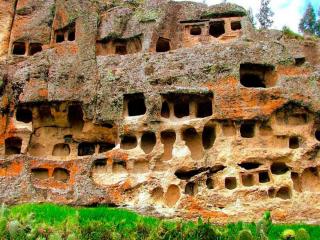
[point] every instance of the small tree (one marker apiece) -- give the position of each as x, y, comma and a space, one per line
318, 24
251, 17
265, 15
308, 21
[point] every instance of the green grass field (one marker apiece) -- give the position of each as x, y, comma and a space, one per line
55, 222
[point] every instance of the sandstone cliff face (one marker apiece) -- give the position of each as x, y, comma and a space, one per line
169, 108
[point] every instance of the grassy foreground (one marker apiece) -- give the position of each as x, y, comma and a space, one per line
54, 222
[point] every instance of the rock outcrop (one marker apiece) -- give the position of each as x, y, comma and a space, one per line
169, 108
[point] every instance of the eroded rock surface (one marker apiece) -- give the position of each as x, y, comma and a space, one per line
168, 108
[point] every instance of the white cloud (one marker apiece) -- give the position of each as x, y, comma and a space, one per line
287, 12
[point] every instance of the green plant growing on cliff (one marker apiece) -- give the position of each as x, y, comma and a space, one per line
302, 234
264, 226
145, 16
288, 33
288, 234
245, 235
51, 15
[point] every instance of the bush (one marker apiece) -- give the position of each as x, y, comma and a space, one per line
288, 234
245, 235
290, 34
302, 234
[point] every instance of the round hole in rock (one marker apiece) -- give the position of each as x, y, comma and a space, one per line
195, 30
191, 189
230, 183
210, 183
61, 150
24, 115
168, 139
284, 193
279, 168
128, 142
148, 141
172, 195
157, 194
61, 174
193, 141
208, 137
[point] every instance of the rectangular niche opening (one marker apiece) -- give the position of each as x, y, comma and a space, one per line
59, 36
204, 108
163, 45
86, 148
264, 177
135, 104
128, 142
230, 183
40, 173
195, 30
121, 48
247, 130
61, 150
216, 28
228, 129
257, 75
141, 167
294, 142
247, 180
105, 147
236, 25
72, 33
35, 48
19, 48
13, 145
61, 174
119, 167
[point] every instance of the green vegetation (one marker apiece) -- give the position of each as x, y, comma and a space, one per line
288, 33
145, 16
54, 222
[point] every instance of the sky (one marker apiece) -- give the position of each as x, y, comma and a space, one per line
286, 12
